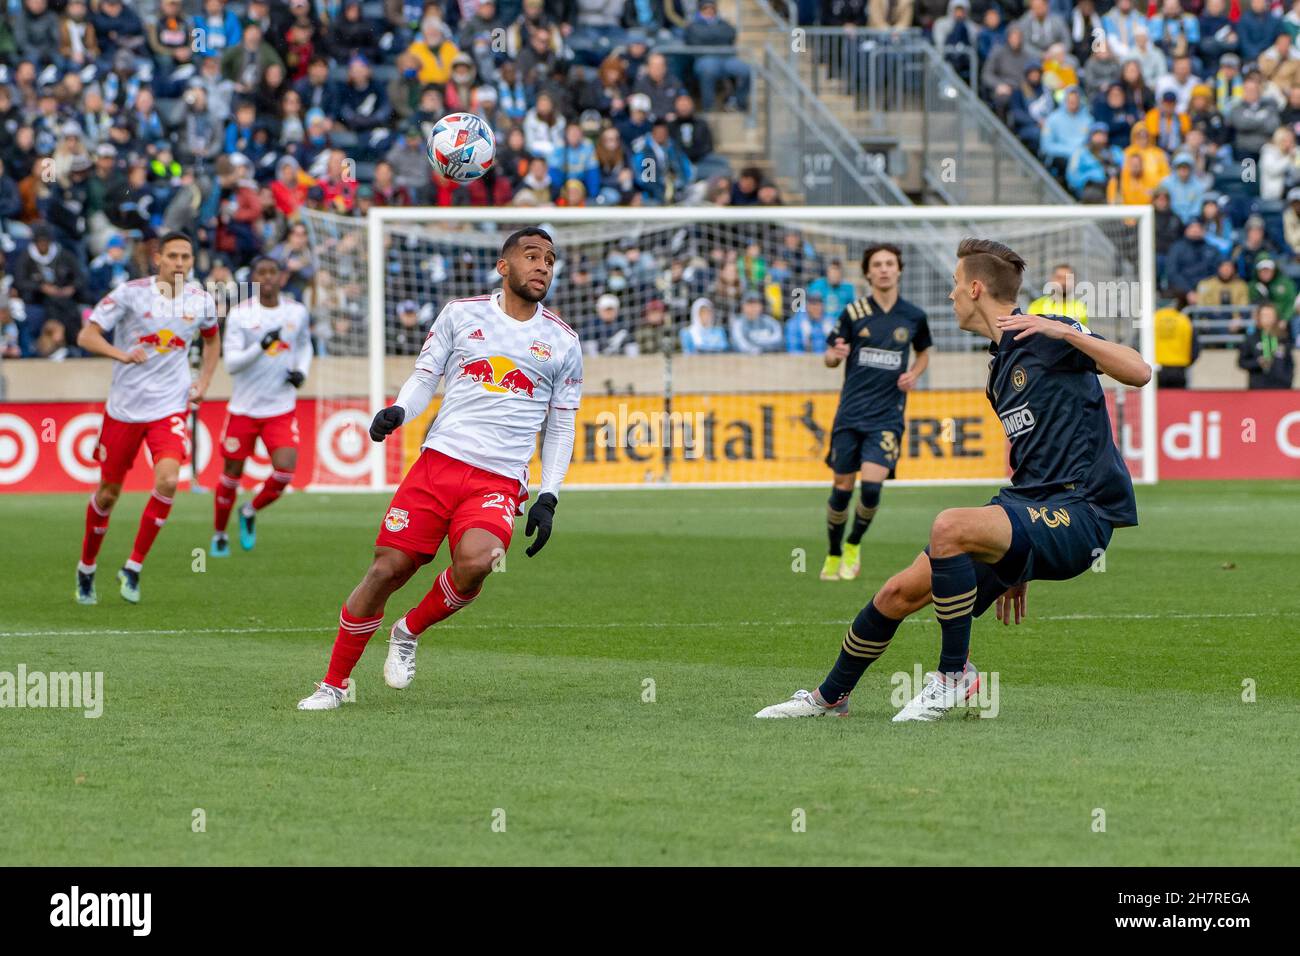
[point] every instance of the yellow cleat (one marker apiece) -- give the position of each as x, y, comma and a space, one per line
851, 563
831, 569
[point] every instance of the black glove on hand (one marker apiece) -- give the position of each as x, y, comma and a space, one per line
540, 518
295, 378
385, 422
270, 338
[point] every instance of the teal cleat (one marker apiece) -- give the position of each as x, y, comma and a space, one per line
220, 546
247, 531
130, 581
86, 588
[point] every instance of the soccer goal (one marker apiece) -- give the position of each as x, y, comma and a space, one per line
659, 295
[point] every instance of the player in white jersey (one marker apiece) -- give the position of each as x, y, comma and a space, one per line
153, 321
268, 352
510, 367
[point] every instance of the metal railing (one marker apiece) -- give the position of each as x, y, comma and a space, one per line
1220, 326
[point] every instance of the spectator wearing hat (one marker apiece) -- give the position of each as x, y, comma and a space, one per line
1257, 28
635, 52
806, 331
65, 208
1273, 285
753, 330
608, 333
635, 121
954, 34
434, 49
654, 334
352, 33
694, 138
1254, 246
1206, 118
459, 90
318, 141
1065, 131
1093, 166
1190, 260
1223, 288
201, 137
110, 268
1265, 352
1150, 58
410, 164
1166, 124
704, 334
1279, 164
1029, 106
1060, 69
1227, 82
1252, 119
51, 283
1186, 192
117, 27
406, 335
709, 29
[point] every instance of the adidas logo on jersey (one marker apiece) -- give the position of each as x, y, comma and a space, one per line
477, 335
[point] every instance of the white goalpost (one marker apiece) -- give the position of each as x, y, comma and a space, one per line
657, 416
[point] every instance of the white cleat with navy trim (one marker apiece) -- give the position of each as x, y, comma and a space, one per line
805, 704
941, 693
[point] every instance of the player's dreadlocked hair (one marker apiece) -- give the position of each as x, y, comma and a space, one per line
517, 237
875, 247
999, 267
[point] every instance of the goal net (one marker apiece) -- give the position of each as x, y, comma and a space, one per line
683, 385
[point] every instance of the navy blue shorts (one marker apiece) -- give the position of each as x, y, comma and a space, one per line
851, 448
1051, 540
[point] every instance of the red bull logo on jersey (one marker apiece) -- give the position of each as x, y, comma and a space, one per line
164, 340
396, 519
280, 345
540, 350
496, 373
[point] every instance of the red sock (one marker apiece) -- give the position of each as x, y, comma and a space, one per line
442, 601
156, 510
353, 634
223, 501
96, 528
272, 489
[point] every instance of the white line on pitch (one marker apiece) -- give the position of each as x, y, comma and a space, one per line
1176, 615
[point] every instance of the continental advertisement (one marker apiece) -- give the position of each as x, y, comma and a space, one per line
758, 437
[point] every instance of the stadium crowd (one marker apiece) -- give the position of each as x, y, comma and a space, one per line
123, 119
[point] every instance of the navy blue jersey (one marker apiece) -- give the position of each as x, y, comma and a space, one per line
878, 343
1053, 411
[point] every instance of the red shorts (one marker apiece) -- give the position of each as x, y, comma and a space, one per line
442, 496
240, 434
120, 441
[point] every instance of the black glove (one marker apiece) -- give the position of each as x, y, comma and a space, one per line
540, 518
295, 378
270, 338
385, 422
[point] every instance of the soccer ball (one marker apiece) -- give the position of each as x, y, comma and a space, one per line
462, 147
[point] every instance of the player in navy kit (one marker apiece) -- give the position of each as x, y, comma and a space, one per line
1069, 489
873, 338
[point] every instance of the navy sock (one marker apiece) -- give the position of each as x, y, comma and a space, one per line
952, 582
868, 502
837, 515
866, 640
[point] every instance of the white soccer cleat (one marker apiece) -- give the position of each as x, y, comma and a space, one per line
940, 694
804, 704
399, 665
325, 698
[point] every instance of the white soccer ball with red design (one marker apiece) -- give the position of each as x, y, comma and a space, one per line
462, 147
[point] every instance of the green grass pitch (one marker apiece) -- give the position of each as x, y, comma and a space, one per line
1123, 693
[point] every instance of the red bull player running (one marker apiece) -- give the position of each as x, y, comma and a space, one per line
268, 354
153, 321
1069, 490
510, 366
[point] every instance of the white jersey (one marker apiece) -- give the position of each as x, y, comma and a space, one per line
261, 377
501, 378
164, 327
